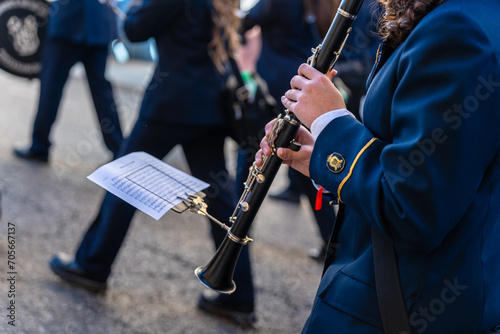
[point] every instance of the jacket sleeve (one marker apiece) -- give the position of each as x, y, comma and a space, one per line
444, 135
151, 18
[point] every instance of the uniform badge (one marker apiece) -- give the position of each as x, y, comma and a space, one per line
22, 31
335, 163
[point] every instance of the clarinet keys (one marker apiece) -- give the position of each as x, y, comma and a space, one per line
244, 206
294, 146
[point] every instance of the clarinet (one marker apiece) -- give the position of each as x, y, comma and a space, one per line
217, 274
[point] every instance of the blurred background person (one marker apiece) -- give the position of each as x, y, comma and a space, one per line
180, 106
78, 31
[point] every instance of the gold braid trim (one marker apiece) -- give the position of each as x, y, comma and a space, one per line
352, 167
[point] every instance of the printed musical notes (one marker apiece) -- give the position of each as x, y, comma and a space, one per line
146, 182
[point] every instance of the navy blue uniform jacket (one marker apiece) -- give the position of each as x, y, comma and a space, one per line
190, 84
424, 169
82, 22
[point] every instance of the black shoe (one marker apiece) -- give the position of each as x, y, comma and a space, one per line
28, 154
240, 314
287, 195
66, 267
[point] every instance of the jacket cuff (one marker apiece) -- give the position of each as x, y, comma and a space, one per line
338, 149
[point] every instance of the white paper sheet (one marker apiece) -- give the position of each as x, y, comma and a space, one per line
146, 183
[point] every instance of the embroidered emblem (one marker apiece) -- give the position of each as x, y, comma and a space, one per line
335, 163
25, 34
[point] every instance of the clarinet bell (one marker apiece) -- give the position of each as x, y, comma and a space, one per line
217, 275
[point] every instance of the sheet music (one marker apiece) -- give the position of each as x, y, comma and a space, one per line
146, 182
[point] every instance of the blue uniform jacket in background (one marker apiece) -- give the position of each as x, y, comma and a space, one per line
424, 169
85, 22
287, 40
189, 83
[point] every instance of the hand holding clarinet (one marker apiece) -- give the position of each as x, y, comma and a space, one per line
312, 94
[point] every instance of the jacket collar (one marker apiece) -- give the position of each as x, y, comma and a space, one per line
383, 53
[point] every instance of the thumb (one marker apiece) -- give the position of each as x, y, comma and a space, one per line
283, 153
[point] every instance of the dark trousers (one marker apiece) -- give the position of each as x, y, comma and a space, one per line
57, 59
204, 150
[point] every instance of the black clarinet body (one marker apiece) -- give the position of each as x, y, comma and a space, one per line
217, 274
325, 56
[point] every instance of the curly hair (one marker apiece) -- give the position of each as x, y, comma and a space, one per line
225, 37
401, 16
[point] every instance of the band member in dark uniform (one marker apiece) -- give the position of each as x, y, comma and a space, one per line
181, 106
422, 170
78, 31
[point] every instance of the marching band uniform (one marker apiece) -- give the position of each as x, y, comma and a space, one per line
78, 31
423, 168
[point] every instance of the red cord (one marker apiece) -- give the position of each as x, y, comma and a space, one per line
319, 199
